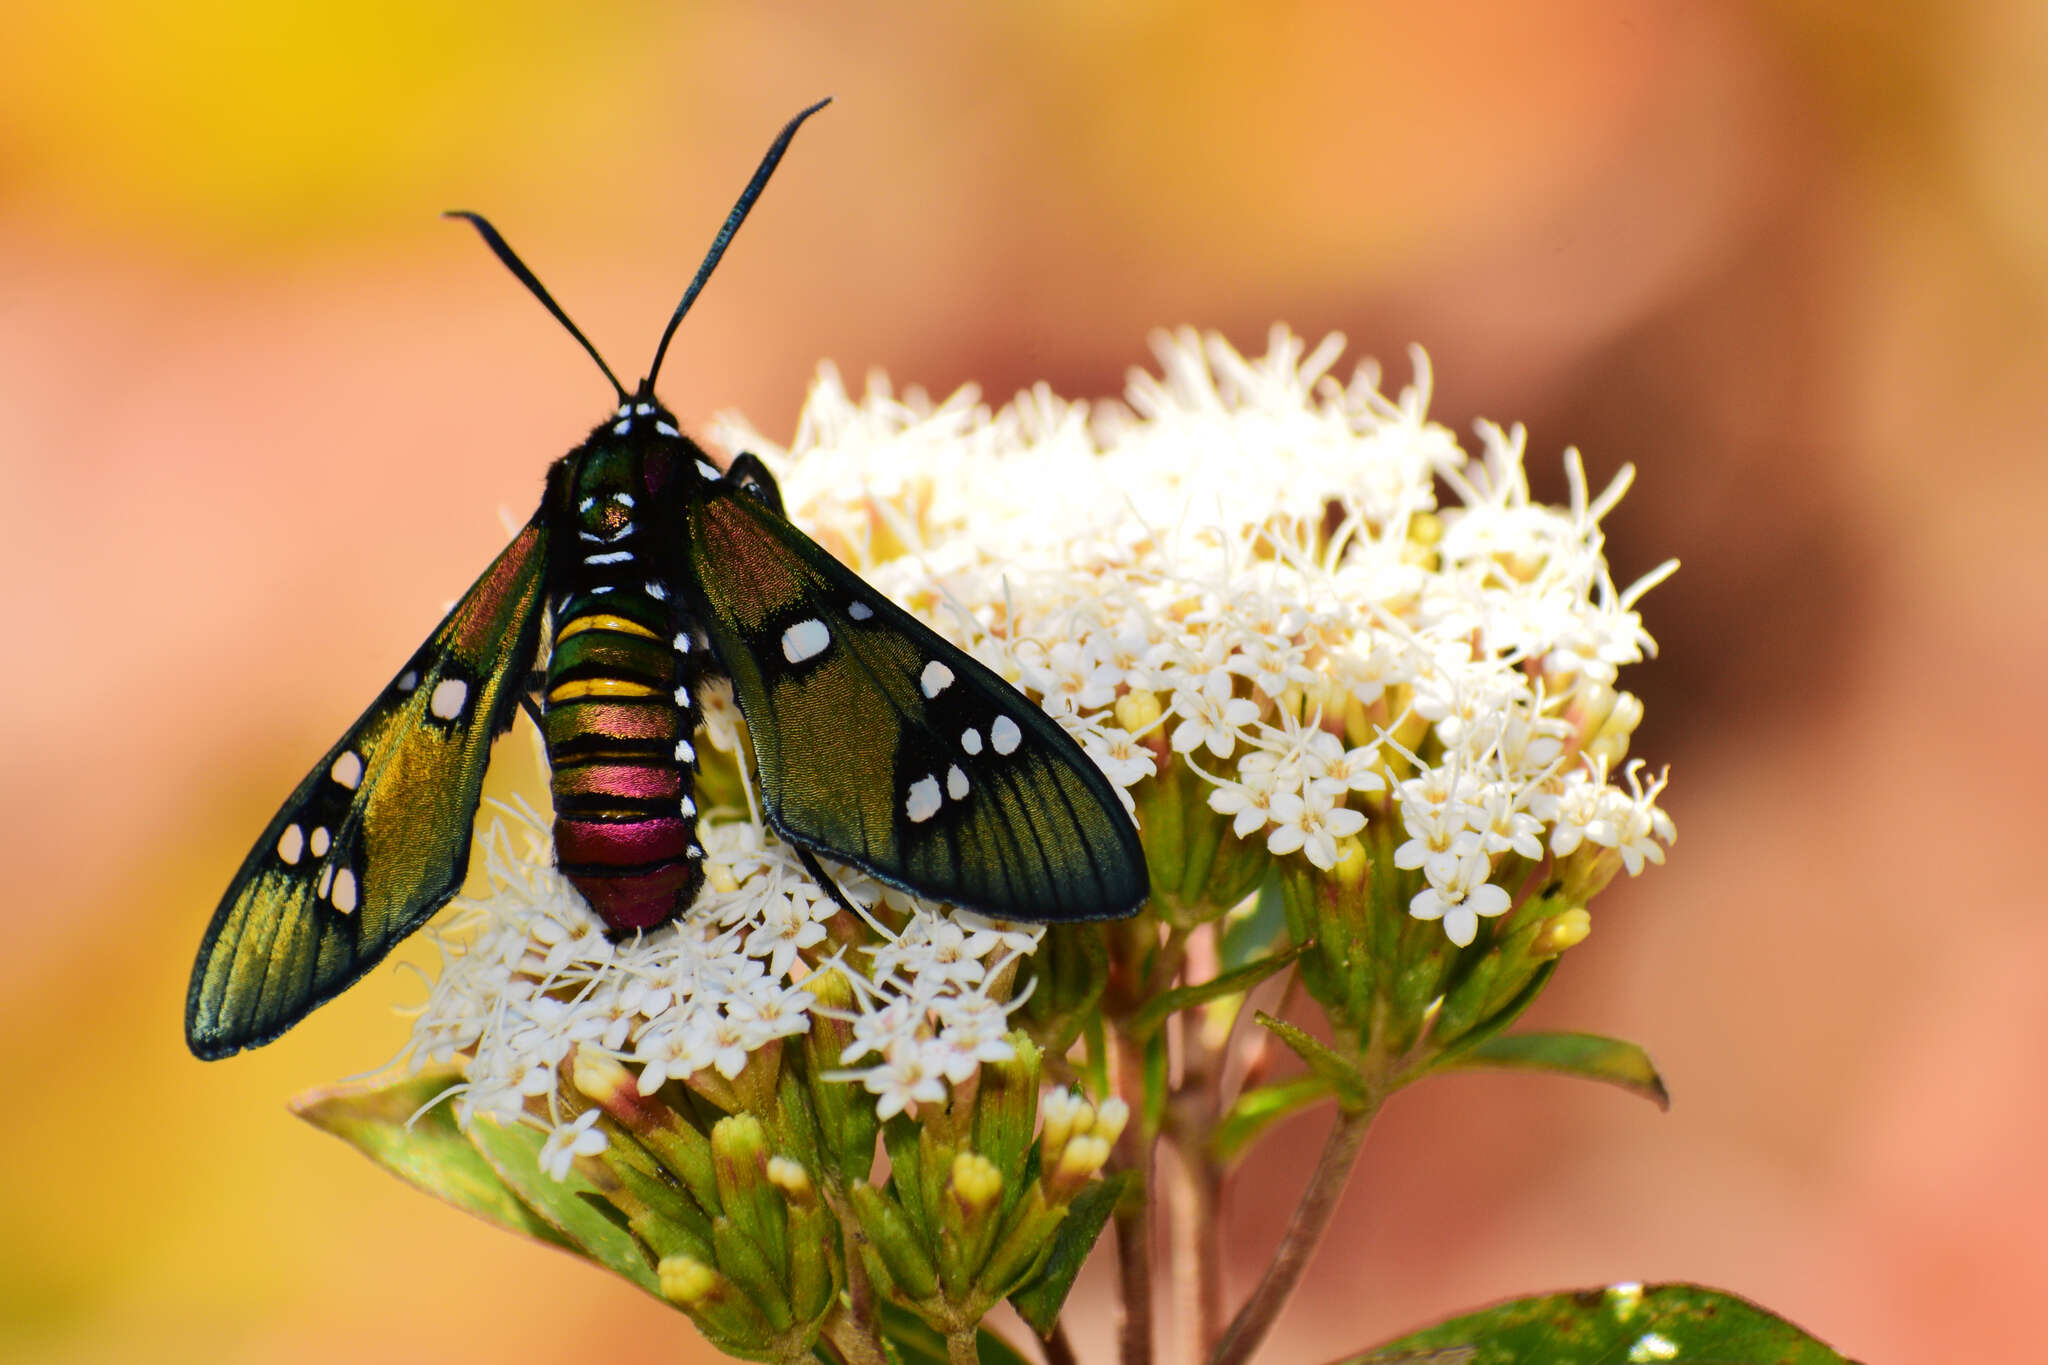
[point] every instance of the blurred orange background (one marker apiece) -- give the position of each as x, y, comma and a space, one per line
258, 408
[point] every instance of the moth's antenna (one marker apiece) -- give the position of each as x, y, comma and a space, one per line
526, 277
725, 234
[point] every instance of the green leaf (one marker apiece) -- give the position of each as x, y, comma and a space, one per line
1259, 1109
1039, 1302
1246, 936
1339, 1072
514, 1153
1497, 1022
394, 1126
1662, 1324
1587, 1055
1148, 1020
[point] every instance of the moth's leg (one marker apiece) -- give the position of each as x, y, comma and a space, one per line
819, 876
529, 696
749, 473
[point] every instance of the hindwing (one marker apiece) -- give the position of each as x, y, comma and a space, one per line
376, 838
879, 744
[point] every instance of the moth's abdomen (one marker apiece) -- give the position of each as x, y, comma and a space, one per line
618, 747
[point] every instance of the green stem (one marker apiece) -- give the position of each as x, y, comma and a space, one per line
1304, 1230
1133, 1216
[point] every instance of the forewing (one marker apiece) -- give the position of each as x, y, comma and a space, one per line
881, 745
376, 838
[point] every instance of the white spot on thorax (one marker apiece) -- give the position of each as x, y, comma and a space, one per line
623, 499
610, 557
656, 591
347, 770
645, 409
291, 844
320, 842
923, 801
970, 740
860, 611
935, 679
709, 471
804, 640
622, 427
956, 782
589, 503
449, 694
345, 891
1005, 735
666, 430
408, 680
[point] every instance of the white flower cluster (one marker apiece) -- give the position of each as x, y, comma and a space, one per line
1260, 552
528, 974
1247, 570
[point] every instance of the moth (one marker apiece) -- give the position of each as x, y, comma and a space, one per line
647, 571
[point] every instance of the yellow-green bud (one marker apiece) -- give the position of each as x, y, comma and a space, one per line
1566, 929
1138, 710
975, 1182
792, 1179
685, 1280
1110, 1117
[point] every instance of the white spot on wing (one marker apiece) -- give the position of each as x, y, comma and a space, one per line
326, 881
344, 896
935, 679
449, 694
319, 842
1005, 735
923, 802
348, 770
291, 844
970, 740
860, 611
408, 680
656, 591
956, 783
805, 640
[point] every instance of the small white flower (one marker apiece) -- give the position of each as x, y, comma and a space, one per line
1459, 898
567, 1141
1312, 823
1211, 716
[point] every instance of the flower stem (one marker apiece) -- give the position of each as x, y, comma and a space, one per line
1194, 1195
1133, 1217
1304, 1230
1059, 1349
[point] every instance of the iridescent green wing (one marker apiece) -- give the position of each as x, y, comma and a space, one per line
376, 838
881, 745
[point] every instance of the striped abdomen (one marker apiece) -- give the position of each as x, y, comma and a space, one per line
619, 715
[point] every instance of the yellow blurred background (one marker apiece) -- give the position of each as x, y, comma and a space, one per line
258, 409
